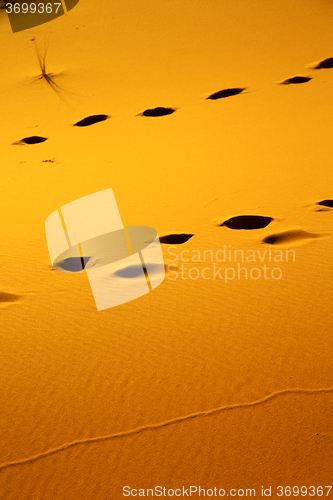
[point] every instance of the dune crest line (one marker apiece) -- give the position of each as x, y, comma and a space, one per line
159, 425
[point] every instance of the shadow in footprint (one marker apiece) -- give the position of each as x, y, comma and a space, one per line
6, 297
326, 203
324, 64
295, 80
72, 264
133, 271
138, 271
247, 222
225, 93
291, 236
175, 239
35, 139
90, 120
158, 112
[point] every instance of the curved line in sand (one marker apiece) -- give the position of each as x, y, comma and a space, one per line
159, 425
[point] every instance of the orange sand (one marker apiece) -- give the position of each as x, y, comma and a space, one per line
200, 382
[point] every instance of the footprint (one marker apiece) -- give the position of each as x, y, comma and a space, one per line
90, 120
324, 64
133, 271
247, 222
72, 264
175, 239
6, 297
158, 112
292, 236
153, 269
326, 203
52, 160
295, 79
35, 139
225, 93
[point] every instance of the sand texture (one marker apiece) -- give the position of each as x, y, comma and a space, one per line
212, 123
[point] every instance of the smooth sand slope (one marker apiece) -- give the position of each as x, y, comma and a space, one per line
211, 122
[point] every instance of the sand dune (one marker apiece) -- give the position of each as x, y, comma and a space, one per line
222, 375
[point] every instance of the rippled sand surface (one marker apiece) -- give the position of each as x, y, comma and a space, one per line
211, 122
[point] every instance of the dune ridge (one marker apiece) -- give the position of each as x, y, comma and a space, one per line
159, 425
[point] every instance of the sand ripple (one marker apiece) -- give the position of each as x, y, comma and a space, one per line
160, 425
